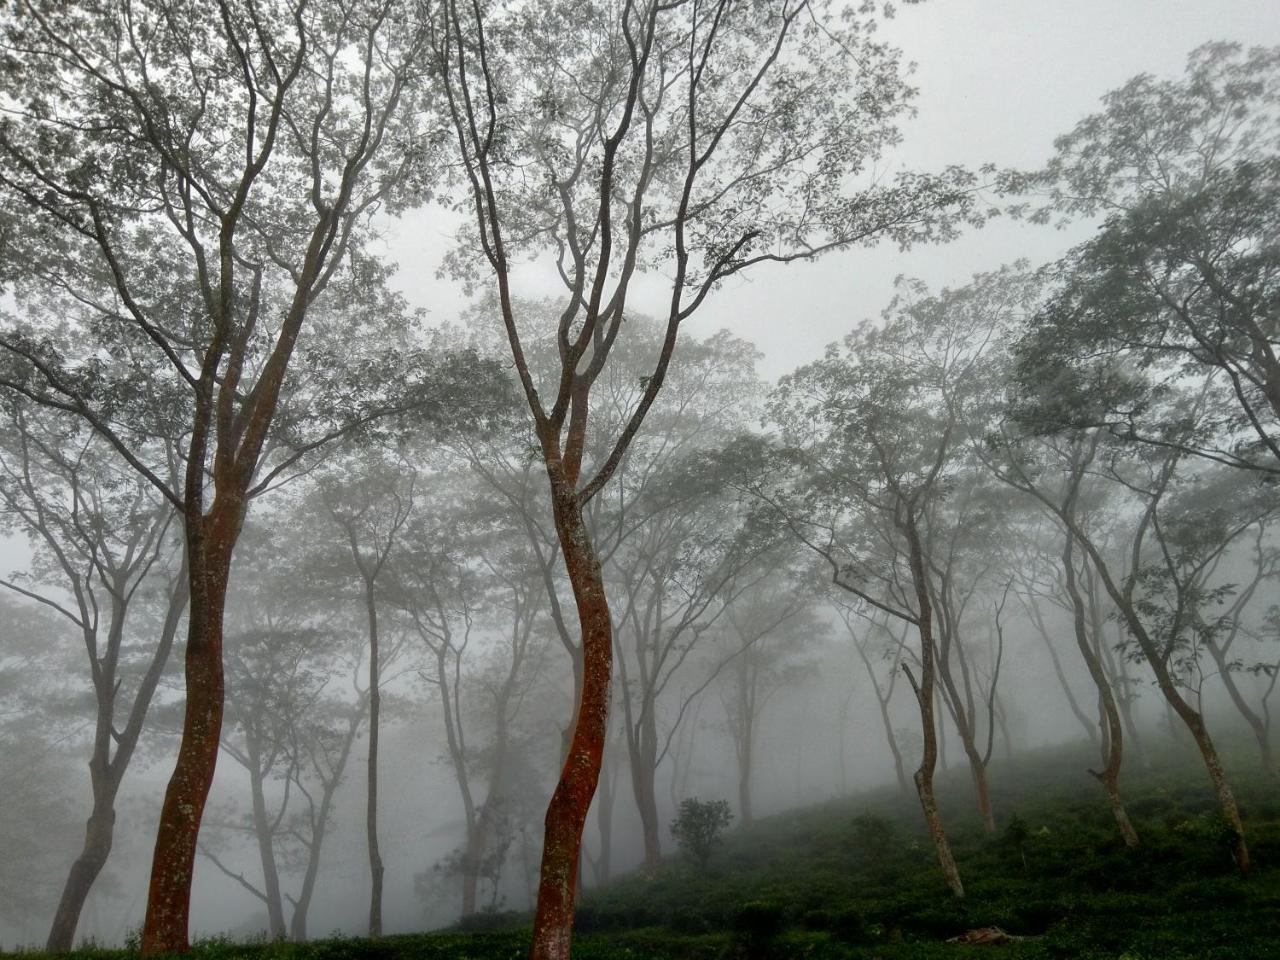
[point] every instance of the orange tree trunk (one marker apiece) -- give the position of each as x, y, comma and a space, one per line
567, 811
210, 540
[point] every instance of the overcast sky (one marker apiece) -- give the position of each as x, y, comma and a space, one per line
998, 80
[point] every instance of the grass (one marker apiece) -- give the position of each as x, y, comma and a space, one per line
856, 879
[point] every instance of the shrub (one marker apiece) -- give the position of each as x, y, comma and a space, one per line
699, 828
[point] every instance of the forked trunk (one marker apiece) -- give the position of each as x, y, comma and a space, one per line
981, 788
567, 811
1113, 739
210, 541
924, 691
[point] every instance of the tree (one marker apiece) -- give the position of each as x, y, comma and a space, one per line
892, 652
1183, 278
873, 446
101, 540
370, 505
181, 190
709, 138
473, 594
769, 622
1158, 631
699, 828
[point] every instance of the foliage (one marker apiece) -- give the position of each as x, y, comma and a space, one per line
699, 828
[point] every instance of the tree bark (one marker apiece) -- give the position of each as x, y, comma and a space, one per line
567, 811
210, 540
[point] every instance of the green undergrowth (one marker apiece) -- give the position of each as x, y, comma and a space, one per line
857, 879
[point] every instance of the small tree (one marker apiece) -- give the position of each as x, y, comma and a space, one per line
699, 828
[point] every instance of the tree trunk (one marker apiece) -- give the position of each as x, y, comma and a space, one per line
1174, 701
1117, 673
1113, 741
642, 749
978, 770
210, 541
567, 811
266, 849
1255, 722
925, 696
301, 906
647, 805
106, 774
371, 809
1090, 727
85, 870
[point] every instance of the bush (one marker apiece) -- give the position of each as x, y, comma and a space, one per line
699, 828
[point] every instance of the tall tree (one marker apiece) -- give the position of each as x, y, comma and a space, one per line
181, 189
370, 501
704, 137
875, 437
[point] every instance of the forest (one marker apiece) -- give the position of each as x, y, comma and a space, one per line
555, 615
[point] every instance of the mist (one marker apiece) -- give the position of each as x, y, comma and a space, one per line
721, 479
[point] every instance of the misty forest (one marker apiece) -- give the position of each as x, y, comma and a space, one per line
672, 479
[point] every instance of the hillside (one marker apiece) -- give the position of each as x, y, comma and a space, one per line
855, 878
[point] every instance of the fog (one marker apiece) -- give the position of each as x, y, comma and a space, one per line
398, 536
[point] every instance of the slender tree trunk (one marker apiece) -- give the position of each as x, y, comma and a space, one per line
1113, 752
567, 811
981, 788
93, 856
642, 748
745, 813
1090, 727
471, 870
1255, 722
1174, 700
301, 906
371, 808
964, 719
266, 849
1002, 719
106, 774
1117, 672
925, 696
210, 540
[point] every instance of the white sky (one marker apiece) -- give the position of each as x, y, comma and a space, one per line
998, 80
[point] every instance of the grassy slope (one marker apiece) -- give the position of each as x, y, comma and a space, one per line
856, 878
